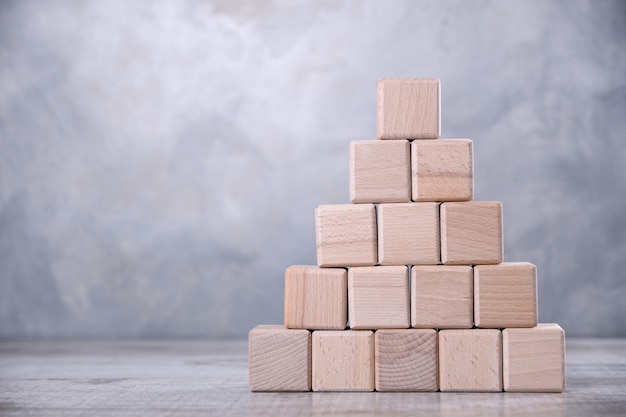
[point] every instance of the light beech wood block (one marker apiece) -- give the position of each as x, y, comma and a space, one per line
406, 360
470, 360
442, 170
343, 360
471, 232
279, 359
380, 172
408, 233
505, 295
442, 297
316, 298
378, 297
534, 359
409, 108
346, 235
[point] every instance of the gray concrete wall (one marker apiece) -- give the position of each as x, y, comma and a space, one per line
160, 161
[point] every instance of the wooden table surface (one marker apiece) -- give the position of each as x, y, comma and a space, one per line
188, 378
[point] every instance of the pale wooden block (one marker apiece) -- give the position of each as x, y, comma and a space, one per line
408, 233
346, 235
505, 295
471, 233
316, 298
534, 359
378, 297
442, 296
442, 170
409, 108
406, 360
380, 172
343, 360
279, 359
470, 360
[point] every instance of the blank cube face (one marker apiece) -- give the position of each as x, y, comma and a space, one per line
470, 360
279, 359
346, 235
534, 359
442, 170
343, 360
471, 233
380, 172
505, 295
378, 297
409, 108
442, 297
316, 298
408, 233
406, 360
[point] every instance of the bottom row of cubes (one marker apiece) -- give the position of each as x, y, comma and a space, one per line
488, 360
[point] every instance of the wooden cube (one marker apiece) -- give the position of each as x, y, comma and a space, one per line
316, 298
346, 235
409, 108
534, 359
279, 359
442, 170
380, 172
505, 295
343, 360
406, 360
378, 297
470, 360
408, 233
442, 296
471, 233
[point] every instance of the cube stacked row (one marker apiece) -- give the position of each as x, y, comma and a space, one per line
421, 296
453, 233
470, 360
410, 292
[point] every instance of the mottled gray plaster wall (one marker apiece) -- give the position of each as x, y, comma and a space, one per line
160, 161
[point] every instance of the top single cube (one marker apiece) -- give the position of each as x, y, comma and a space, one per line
409, 108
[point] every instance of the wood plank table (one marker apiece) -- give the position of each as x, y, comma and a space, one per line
189, 378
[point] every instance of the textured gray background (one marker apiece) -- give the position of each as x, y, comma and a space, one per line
160, 161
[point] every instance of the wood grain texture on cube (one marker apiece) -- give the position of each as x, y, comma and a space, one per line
470, 360
316, 298
380, 172
346, 235
442, 170
378, 297
442, 296
471, 232
406, 360
408, 233
279, 359
343, 360
409, 108
505, 295
534, 359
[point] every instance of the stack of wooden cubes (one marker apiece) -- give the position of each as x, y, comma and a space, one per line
410, 292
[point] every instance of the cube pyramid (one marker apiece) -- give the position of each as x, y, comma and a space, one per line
410, 291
